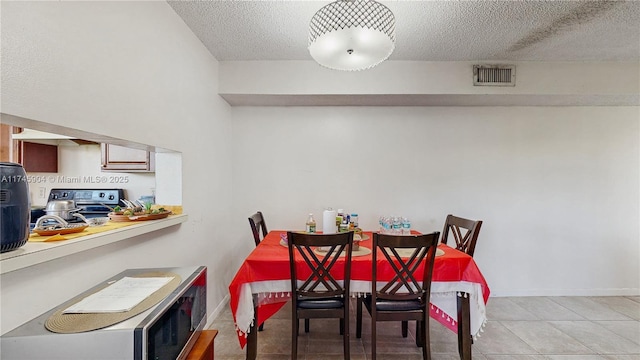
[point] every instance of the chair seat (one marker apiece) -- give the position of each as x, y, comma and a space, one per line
320, 303
394, 305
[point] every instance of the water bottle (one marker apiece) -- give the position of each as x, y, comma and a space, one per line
406, 226
397, 226
387, 226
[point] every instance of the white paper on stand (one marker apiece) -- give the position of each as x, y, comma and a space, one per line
121, 296
329, 222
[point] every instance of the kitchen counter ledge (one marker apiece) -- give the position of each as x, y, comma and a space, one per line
33, 253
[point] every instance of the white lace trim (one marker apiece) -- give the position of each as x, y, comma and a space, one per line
443, 300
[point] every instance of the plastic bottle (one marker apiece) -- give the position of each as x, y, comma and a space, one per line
406, 226
386, 225
397, 225
311, 224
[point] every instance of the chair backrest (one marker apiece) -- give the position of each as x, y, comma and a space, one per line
406, 256
257, 224
322, 274
465, 233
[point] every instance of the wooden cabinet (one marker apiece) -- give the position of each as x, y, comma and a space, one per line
34, 157
38, 157
8, 147
203, 348
117, 158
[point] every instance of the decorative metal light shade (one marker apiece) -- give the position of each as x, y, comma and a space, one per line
352, 34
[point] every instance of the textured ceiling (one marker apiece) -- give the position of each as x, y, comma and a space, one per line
430, 30
475, 30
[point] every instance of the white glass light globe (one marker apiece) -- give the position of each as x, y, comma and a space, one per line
352, 35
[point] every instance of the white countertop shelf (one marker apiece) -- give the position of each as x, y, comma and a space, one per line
33, 253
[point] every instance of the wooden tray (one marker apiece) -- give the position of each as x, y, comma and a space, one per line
144, 217
63, 231
138, 217
118, 217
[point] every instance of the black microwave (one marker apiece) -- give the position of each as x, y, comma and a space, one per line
167, 330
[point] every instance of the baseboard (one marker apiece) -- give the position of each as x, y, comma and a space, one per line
568, 292
219, 309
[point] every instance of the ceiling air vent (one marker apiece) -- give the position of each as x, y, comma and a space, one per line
494, 75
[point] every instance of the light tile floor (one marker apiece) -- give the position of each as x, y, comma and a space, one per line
519, 328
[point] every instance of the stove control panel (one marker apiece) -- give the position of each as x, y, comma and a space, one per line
88, 196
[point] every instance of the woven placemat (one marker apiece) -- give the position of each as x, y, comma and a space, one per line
407, 252
362, 251
75, 323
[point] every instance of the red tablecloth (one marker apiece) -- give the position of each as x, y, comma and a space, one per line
265, 273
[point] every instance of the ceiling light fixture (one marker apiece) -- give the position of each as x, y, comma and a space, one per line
352, 35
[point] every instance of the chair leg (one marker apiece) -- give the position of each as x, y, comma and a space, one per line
425, 339
306, 325
294, 337
345, 335
464, 331
405, 328
419, 341
261, 327
342, 326
373, 336
359, 318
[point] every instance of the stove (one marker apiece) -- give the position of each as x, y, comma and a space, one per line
91, 202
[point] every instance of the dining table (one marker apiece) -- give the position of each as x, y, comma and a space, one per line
262, 286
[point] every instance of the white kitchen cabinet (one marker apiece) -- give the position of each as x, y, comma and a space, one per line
117, 158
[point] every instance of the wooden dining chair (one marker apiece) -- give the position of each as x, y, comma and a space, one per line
464, 231
320, 283
404, 297
258, 225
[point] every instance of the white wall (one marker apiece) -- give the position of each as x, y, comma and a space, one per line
556, 187
134, 71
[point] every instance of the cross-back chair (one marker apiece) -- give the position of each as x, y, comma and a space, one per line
408, 261
257, 223
320, 282
464, 231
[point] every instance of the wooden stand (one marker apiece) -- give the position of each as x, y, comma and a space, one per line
203, 348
